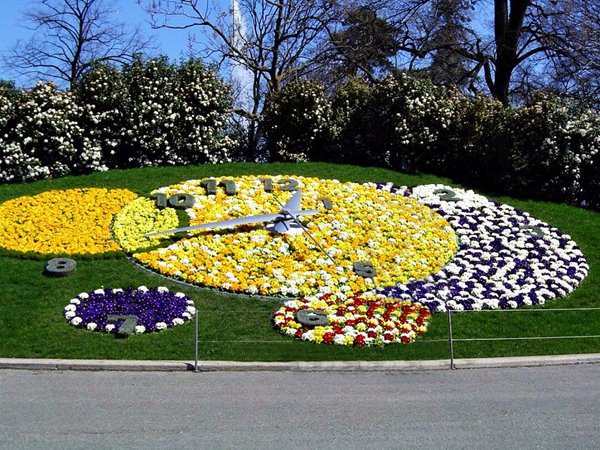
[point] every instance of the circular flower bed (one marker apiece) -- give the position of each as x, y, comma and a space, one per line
399, 237
106, 310
358, 320
65, 222
506, 258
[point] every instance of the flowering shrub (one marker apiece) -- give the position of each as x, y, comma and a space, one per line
297, 122
104, 94
351, 144
553, 139
477, 141
153, 113
154, 309
46, 139
69, 222
149, 113
405, 121
357, 319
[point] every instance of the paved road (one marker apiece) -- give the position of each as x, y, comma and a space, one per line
539, 407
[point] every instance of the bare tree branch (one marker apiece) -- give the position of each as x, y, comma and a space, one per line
70, 35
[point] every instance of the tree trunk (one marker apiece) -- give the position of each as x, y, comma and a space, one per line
507, 29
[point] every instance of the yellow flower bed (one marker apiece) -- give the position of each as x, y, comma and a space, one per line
401, 238
67, 222
138, 218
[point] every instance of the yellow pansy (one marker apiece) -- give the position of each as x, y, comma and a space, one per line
68, 222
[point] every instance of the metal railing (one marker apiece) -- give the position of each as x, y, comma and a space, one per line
451, 339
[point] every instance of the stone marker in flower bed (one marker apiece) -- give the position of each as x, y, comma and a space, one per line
357, 320
506, 258
155, 309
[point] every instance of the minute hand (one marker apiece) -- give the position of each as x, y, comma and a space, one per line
234, 222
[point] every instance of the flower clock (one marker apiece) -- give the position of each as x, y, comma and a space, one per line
131, 310
283, 236
354, 264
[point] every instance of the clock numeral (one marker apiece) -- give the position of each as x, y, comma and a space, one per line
210, 186
229, 186
181, 201
447, 195
288, 184
267, 184
364, 269
60, 267
312, 318
161, 200
533, 229
326, 203
128, 325
177, 201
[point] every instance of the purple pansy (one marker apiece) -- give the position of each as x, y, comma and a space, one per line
506, 258
154, 309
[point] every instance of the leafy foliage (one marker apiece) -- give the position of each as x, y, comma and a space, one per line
149, 113
546, 149
297, 122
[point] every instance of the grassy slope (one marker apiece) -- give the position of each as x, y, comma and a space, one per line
238, 328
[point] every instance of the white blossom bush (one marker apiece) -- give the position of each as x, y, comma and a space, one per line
46, 139
104, 95
406, 120
154, 113
202, 110
349, 105
553, 139
298, 122
14, 164
476, 144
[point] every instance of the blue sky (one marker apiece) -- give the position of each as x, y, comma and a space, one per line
172, 43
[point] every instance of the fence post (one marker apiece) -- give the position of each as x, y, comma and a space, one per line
450, 343
196, 341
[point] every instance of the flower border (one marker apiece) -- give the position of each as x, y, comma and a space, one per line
360, 320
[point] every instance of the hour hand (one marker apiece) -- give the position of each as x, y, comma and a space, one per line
221, 224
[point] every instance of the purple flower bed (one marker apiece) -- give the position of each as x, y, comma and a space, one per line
506, 258
152, 309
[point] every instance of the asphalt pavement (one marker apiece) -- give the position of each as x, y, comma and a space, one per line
541, 407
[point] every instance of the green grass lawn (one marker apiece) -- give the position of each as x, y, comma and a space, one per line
235, 327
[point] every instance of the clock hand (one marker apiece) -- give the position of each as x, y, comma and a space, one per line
240, 221
295, 201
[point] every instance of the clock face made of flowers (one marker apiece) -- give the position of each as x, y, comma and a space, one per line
443, 247
310, 235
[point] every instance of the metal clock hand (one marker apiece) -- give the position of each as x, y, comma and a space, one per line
284, 215
289, 213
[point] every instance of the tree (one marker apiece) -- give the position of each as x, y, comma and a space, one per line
70, 35
450, 20
533, 44
279, 45
364, 45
